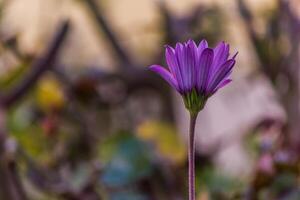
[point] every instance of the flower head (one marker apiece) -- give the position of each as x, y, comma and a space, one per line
196, 72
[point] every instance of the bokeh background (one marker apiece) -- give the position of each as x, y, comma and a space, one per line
82, 118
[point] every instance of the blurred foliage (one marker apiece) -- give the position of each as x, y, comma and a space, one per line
21, 125
165, 139
126, 159
10, 79
49, 95
218, 185
128, 196
72, 136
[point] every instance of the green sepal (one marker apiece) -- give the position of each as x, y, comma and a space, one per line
194, 102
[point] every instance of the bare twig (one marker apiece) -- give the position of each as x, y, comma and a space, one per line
16, 180
12, 188
9, 189
39, 67
291, 67
103, 26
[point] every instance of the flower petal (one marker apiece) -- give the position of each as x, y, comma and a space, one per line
165, 74
222, 84
221, 53
205, 62
182, 59
192, 61
174, 66
170, 58
202, 45
233, 57
222, 72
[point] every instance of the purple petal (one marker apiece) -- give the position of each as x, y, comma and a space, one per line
190, 42
221, 53
178, 52
183, 61
165, 74
170, 58
193, 46
222, 84
173, 65
193, 61
233, 57
203, 45
222, 72
205, 62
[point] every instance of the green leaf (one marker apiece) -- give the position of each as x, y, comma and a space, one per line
127, 196
127, 160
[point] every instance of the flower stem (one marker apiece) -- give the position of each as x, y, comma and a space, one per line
191, 153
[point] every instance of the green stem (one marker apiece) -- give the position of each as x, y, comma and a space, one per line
191, 153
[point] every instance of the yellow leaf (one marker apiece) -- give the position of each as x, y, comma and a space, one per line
166, 140
49, 95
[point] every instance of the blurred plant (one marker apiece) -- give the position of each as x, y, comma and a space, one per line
168, 145
277, 50
49, 95
84, 155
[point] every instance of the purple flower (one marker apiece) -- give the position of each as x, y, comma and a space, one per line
197, 72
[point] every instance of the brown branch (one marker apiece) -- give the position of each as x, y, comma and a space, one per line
103, 26
39, 67
12, 188
5, 183
265, 46
290, 66
178, 28
248, 18
16, 180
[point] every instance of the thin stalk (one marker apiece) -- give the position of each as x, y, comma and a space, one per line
191, 146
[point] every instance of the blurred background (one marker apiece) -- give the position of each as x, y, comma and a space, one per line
82, 118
